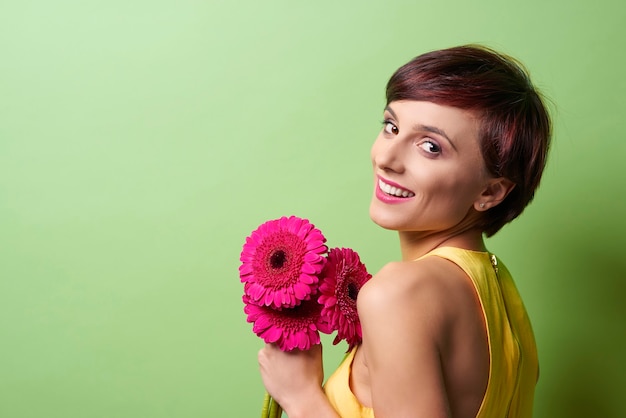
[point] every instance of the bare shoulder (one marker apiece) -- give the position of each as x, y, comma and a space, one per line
408, 311
431, 293
430, 280
422, 327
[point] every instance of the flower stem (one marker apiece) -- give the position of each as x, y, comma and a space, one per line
271, 408
266, 406
275, 410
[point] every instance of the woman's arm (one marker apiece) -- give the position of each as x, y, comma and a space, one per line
403, 317
294, 379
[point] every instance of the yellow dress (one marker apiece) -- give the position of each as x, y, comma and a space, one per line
513, 368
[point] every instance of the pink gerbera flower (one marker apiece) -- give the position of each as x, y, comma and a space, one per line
281, 261
290, 328
342, 278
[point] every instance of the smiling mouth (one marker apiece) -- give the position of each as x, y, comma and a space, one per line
394, 191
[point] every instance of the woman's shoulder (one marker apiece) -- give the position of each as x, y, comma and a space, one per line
431, 283
432, 274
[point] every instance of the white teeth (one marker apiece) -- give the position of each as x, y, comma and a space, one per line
394, 190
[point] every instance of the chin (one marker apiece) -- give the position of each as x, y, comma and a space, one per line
385, 222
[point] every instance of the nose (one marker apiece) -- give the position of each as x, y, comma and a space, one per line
387, 154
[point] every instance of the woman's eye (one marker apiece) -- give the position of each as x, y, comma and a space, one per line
390, 128
430, 147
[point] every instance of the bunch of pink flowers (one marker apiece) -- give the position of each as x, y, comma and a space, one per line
295, 287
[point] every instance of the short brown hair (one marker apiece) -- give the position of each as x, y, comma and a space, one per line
515, 124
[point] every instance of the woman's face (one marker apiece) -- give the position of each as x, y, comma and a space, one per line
428, 168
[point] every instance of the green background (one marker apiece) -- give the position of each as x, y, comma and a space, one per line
141, 141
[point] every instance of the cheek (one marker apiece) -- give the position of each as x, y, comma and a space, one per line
446, 186
466, 190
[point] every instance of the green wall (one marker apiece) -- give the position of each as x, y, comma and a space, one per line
141, 141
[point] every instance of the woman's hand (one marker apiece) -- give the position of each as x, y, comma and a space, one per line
294, 379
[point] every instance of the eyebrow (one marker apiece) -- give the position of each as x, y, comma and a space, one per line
427, 128
434, 130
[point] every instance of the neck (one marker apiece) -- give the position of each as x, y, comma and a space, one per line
415, 244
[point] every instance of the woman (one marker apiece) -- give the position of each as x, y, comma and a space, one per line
445, 333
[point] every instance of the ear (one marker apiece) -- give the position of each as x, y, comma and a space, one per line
496, 191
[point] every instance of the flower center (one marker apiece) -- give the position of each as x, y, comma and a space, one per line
353, 291
278, 259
